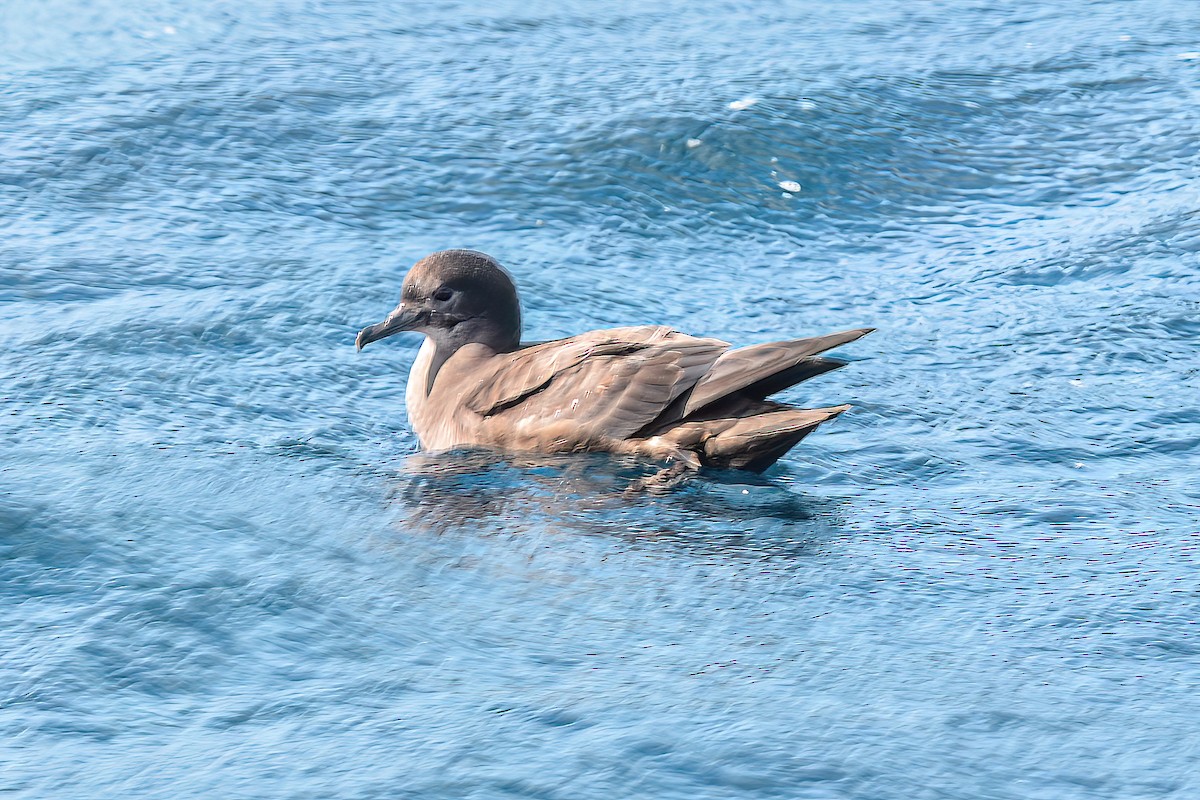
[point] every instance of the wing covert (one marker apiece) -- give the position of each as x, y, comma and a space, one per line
612, 382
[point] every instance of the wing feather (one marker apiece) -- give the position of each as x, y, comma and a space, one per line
612, 383
761, 370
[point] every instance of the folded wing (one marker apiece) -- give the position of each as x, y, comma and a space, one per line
762, 370
612, 383
642, 382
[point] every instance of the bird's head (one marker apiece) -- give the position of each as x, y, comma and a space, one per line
455, 297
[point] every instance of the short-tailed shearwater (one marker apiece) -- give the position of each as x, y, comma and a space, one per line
647, 390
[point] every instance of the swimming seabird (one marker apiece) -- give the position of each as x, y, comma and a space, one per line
647, 391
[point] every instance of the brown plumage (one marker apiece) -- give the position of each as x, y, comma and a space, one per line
646, 390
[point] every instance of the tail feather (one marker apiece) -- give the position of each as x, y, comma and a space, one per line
725, 419
756, 442
753, 439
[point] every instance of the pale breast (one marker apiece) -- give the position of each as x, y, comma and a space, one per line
438, 417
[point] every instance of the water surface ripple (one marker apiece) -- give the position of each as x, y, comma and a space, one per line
224, 572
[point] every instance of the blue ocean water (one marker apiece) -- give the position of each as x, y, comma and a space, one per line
225, 572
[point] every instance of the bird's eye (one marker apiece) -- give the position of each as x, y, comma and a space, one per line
443, 294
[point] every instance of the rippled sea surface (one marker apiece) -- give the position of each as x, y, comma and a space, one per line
226, 572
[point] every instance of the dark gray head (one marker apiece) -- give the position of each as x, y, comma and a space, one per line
455, 297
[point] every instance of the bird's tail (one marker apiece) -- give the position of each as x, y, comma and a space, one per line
757, 440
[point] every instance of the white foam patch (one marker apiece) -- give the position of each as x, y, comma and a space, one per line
745, 102
790, 186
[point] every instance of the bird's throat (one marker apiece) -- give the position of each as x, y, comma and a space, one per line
430, 359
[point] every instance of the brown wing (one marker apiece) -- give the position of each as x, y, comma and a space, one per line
762, 370
612, 382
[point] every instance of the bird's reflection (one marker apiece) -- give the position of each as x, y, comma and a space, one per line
731, 512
